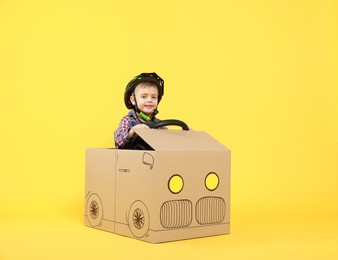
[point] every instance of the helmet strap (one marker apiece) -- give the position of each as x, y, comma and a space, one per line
144, 116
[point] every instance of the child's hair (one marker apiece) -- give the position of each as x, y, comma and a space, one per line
146, 84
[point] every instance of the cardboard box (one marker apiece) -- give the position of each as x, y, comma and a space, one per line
179, 190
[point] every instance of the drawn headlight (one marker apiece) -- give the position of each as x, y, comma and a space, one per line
211, 181
175, 184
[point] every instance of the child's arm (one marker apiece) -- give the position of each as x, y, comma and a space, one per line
125, 132
121, 136
131, 132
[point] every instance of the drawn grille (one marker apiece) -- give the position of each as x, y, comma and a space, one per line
176, 213
210, 210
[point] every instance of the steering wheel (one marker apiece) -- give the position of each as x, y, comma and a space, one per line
137, 143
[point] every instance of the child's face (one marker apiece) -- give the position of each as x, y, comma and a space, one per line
146, 98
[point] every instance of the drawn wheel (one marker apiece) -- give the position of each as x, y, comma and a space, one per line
138, 219
94, 210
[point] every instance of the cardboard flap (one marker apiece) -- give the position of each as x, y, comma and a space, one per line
179, 140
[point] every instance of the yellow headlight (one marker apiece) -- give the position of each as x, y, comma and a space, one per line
211, 181
175, 183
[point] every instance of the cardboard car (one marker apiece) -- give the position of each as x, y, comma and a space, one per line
178, 189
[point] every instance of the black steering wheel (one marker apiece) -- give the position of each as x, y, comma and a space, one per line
137, 143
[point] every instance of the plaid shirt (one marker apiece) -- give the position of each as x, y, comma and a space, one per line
121, 137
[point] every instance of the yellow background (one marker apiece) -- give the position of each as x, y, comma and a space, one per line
259, 76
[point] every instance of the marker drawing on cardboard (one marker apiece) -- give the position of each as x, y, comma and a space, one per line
168, 185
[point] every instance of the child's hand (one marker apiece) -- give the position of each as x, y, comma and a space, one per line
132, 131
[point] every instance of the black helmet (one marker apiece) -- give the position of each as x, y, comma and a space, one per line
143, 77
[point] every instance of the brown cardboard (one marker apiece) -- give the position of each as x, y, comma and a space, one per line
128, 191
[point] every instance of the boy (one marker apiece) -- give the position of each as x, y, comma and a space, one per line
142, 96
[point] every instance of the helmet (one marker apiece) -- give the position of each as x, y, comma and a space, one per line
143, 77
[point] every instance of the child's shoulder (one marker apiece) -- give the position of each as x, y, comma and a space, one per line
128, 117
131, 114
